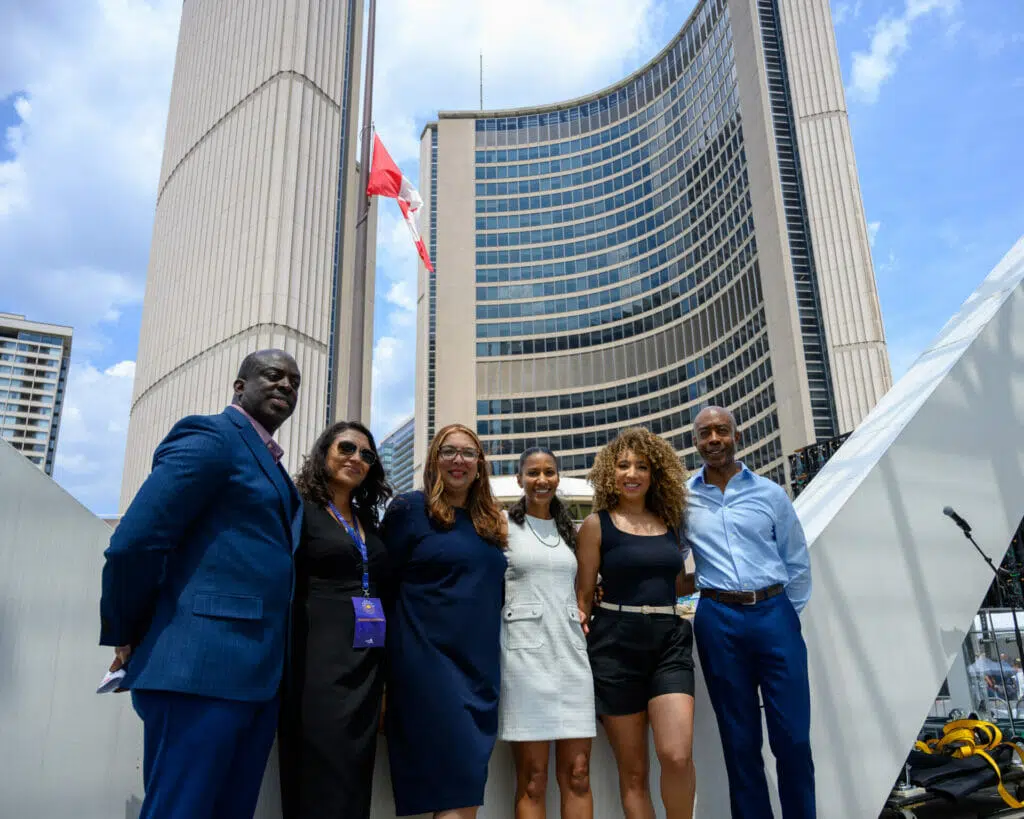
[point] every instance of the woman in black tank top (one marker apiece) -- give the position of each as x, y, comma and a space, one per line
640, 648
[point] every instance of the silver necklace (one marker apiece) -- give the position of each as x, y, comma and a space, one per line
558, 537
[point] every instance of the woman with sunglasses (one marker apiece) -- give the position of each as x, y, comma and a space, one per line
447, 546
332, 697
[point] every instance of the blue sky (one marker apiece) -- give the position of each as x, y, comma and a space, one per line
8, 118
935, 91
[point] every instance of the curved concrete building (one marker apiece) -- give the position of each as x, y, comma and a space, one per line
693, 234
250, 241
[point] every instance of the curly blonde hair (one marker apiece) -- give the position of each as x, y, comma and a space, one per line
666, 497
481, 505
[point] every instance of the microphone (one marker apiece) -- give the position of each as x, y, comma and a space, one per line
959, 521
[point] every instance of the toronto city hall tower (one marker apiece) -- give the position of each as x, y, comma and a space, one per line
693, 234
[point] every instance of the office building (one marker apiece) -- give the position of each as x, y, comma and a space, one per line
396, 456
34, 362
693, 234
253, 238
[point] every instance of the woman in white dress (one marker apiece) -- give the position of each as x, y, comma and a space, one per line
547, 692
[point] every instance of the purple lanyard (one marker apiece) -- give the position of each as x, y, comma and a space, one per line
354, 534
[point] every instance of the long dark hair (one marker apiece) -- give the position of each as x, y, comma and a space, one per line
313, 481
564, 524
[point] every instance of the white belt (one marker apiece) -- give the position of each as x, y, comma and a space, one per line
676, 609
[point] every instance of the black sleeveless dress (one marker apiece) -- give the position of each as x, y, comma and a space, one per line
636, 657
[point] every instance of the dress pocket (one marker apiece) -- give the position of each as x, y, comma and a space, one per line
522, 626
578, 638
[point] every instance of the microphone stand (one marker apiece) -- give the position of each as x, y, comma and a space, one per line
1016, 628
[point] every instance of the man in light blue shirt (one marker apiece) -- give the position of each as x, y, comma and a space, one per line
754, 575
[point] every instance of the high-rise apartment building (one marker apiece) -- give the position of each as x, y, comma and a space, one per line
34, 362
396, 456
253, 235
693, 234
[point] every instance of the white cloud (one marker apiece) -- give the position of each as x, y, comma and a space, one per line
91, 80
873, 228
89, 300
394, 361
12, 185
844, 11
543, 51
76, 199
890, 41
90, 448
402, 295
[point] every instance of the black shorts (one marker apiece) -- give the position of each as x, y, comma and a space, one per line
637, 657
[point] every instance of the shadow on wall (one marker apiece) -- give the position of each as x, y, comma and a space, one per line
132, 808
499, 799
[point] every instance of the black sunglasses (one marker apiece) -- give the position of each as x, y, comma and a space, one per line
348, 449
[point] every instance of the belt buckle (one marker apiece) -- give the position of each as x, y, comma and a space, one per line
752, 598
645, 609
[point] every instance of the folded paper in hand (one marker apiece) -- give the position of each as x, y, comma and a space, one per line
111, 681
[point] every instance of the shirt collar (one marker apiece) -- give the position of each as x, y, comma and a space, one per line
275, 448
698, 476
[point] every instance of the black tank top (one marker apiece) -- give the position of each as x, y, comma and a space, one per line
638, 570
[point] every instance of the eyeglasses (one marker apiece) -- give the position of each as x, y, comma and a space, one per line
450, 453
348, 449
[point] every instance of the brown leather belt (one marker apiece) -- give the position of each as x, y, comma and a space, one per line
743, 598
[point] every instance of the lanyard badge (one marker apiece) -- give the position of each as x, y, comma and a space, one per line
370, 623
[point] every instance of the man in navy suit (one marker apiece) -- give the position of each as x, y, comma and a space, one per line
196, 594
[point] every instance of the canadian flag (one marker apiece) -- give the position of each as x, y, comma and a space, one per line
387, 180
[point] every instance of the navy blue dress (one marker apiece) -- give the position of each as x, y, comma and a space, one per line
444, 654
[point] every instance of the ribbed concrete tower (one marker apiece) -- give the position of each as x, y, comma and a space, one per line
254, 230
835, 212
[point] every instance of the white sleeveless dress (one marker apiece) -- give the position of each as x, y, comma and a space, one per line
547, 691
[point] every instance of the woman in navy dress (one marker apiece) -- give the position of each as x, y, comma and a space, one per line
444, 631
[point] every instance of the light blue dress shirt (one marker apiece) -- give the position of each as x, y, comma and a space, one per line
748, 538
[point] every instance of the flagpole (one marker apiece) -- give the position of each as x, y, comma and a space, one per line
356, 376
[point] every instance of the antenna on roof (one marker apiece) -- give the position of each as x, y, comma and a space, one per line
481, 80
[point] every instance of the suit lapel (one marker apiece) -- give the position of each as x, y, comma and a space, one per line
269, 466
296, 518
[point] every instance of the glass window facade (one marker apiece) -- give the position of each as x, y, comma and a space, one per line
618, 279
33, 379
605, 223
432, 294
396, 456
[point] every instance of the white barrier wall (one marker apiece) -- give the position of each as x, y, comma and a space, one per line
64, 751
896, 584
895, 589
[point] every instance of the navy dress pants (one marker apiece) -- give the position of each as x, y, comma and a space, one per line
203, 758
743, 649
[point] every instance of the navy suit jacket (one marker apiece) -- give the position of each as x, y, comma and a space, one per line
198, 576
